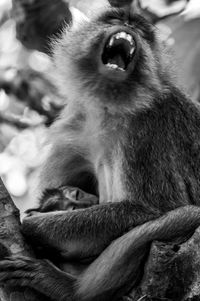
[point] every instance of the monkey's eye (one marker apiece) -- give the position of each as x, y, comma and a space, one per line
119, 51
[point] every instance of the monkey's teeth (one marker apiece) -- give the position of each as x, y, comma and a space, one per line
121, 35
111, 42
125, 36
132, 50
114, 66
130, 39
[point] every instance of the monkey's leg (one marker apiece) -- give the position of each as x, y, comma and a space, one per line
112, 272
87, 232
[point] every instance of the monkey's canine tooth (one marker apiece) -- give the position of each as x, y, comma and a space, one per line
132, 50
111, 42
130, 39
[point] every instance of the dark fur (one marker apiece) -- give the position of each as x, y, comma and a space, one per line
155, 131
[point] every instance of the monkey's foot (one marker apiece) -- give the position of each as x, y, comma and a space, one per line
41, 275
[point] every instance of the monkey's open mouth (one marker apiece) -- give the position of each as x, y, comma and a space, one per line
119, 51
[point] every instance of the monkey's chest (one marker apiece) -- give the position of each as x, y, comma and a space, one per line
104, 154
110, 181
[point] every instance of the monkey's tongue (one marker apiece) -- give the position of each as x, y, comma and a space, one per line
116, 62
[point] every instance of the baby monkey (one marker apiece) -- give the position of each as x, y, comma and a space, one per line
127, 134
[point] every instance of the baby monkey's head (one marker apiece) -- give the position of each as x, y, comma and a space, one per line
115, 56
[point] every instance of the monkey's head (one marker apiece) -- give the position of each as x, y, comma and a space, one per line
114, 57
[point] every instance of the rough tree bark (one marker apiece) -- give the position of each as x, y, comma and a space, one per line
12, 243
172, 272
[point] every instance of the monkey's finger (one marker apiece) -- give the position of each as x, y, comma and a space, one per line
18, 273
12, 275
18, 263
8, 279
10, 265
27, 265
36, 274
16, 277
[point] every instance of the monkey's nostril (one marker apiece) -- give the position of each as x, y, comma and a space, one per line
119, 51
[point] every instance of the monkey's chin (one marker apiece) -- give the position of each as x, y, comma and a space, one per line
119, 53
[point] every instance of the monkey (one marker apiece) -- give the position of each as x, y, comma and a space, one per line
64, 198
129, 135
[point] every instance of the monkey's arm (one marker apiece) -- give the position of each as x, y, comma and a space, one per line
66, 162
82, 233
112, 273
64, 166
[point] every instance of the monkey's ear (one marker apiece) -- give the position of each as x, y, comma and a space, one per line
78, 17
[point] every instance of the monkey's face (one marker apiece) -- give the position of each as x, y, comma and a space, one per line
114, 56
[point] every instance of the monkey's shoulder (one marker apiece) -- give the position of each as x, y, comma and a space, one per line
165, 134
162, 153
171, 116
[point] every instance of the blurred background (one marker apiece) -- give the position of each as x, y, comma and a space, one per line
29, 102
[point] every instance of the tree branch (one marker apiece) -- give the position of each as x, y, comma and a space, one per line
12, 243
172, 272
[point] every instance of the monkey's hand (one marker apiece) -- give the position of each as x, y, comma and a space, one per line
38, 274
65, 198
